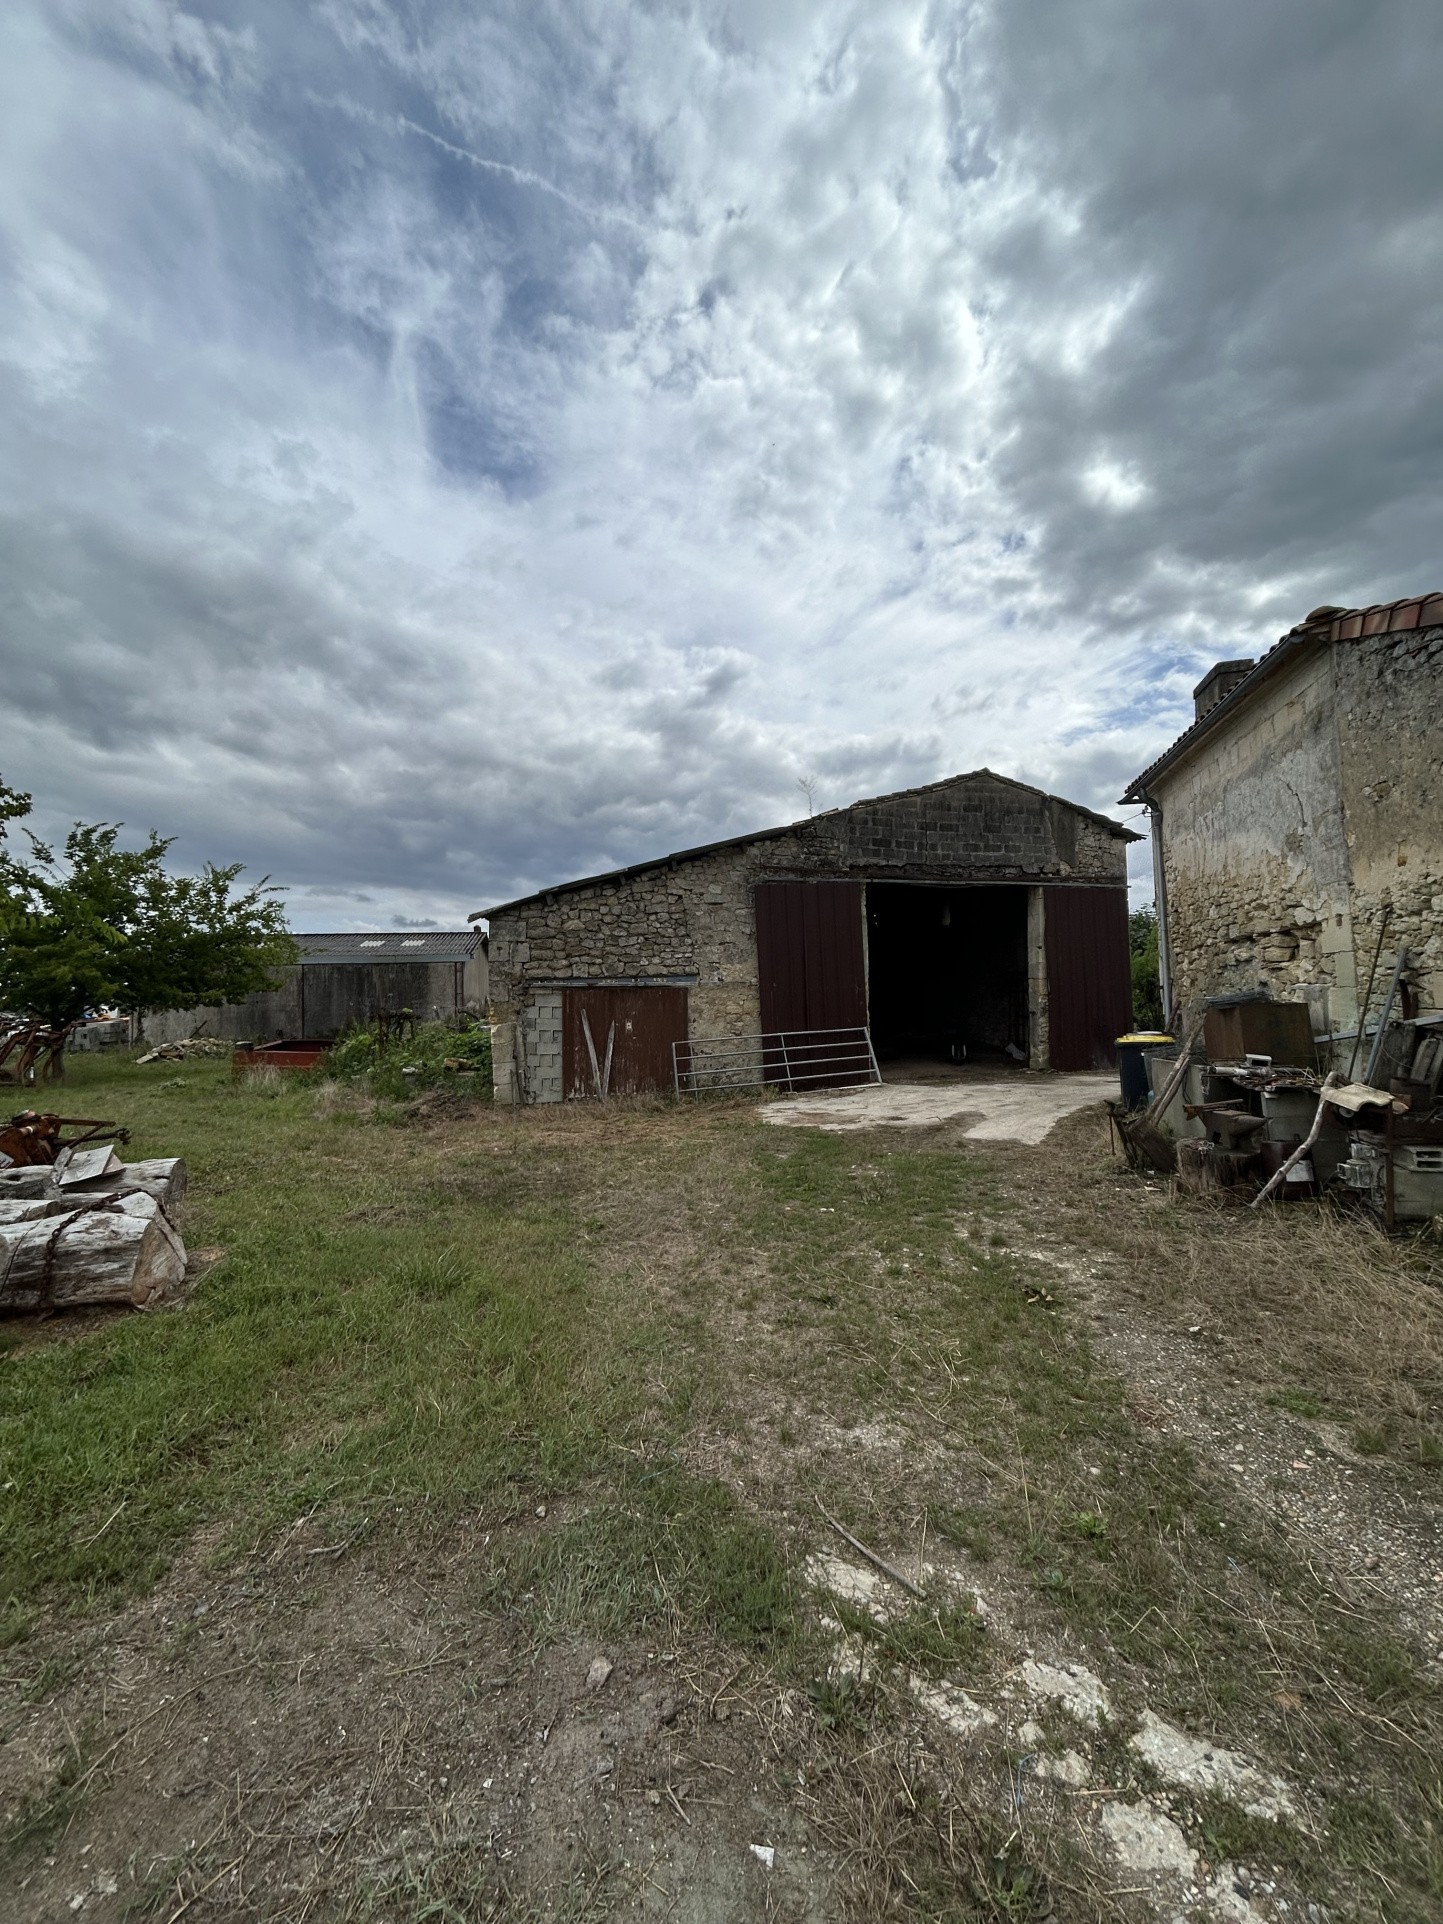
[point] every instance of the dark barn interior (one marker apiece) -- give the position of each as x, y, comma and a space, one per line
946, 971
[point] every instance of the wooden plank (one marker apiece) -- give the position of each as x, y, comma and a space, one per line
87, 1164
811, 966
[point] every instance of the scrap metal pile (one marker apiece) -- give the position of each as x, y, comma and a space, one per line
1242, 1109
79, 1226
32, 1051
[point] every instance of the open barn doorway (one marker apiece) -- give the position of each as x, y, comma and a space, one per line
947, 973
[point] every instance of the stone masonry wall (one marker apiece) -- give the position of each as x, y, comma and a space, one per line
692, 922
1284, 831
1254, 854
1390, 730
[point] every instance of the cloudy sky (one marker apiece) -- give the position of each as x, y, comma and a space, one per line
449, 446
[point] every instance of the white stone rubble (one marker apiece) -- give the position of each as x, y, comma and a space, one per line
1146, 1840
961, 1714
849, 1583
1200, 1765
1080, 1693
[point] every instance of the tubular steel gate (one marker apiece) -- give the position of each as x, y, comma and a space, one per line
790, 1059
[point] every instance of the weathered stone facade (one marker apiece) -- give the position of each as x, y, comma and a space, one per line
689, 919
1308, 801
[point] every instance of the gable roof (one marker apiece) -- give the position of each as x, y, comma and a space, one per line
396, 945
1323, 625
791, 828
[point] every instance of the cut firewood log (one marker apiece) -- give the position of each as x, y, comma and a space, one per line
29, 1209
116, 1249
38, 1180
163, 1177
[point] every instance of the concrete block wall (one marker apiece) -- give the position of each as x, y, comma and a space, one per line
541, 1034
333, 996
261, 1017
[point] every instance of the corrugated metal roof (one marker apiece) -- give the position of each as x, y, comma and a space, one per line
791, 828
402, 945
1322, 625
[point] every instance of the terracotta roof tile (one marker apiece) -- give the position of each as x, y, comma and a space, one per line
1383, 618
1323, 624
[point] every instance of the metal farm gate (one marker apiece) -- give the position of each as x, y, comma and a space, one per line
1089, 975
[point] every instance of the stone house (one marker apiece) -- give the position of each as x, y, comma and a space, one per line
346, 979
975, 916
1303, 807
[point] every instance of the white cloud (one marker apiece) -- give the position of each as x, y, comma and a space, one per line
439, 460
1112, 485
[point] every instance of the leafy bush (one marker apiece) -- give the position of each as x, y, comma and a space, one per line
1147, 1009
397, 1066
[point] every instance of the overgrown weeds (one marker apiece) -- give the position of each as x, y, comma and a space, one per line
396, 1064
665, 1548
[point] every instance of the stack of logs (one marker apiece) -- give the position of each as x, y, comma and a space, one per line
88, 1228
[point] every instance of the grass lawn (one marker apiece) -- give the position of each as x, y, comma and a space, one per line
532, 1384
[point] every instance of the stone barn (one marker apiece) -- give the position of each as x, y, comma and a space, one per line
345, 979
1298, 823
976, 919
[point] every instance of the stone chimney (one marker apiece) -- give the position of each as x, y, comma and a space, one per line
1219, 682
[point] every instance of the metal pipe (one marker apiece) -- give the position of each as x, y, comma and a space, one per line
1159, 895
1368, 992
1384, 1018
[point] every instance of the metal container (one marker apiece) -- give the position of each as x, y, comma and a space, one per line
1133, 1054
1280, 1030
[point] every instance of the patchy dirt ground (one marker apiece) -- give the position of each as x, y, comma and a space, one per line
1096, 1605
1215, 1373
348, 1735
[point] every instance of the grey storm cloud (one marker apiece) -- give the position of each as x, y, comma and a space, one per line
450, 449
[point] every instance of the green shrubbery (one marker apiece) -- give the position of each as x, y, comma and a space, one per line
396, 1066
1147, 1009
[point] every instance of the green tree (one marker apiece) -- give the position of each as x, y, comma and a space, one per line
104, 926
1147, 1010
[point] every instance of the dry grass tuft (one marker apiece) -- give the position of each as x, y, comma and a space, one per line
264, 1079
335, 1100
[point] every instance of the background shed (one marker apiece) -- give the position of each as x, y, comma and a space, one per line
345, 979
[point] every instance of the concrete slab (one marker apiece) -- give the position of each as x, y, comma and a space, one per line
1020, 1108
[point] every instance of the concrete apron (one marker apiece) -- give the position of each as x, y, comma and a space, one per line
1023, 1109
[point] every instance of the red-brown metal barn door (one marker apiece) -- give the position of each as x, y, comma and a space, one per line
810, 962
1089, 975
639, 1024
